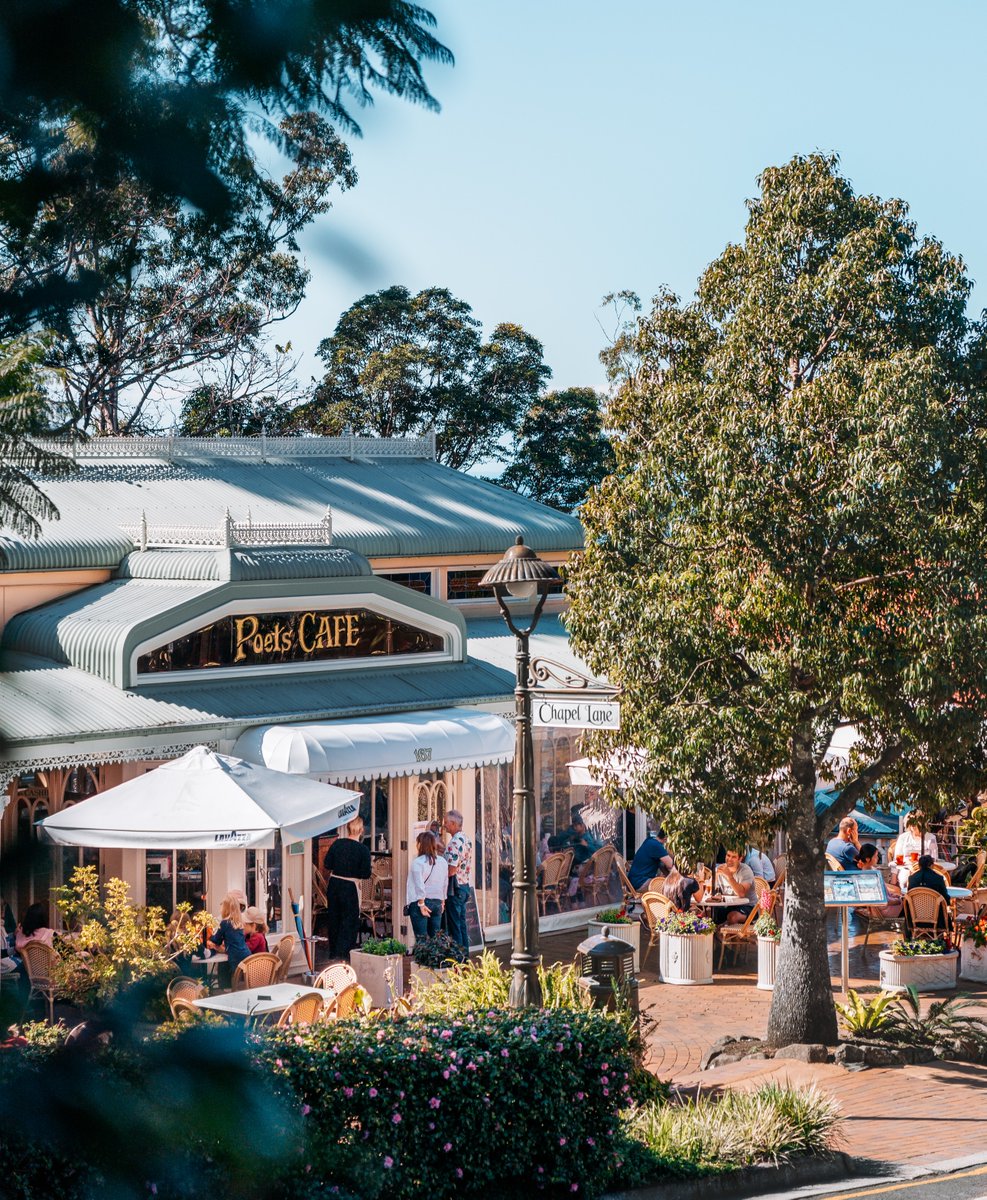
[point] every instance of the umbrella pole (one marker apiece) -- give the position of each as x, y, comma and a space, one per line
296, 909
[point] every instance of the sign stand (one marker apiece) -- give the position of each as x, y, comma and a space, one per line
845, 951
844, 889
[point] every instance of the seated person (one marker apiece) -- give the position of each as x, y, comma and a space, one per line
910, 845
34, 927
652, 858
682, 889
255, 931
760, 864
583, 841
926, 876
870, 860
845, 847
735, 878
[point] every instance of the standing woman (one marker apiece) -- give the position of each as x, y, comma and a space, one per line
230, 937
347, 862
428, 882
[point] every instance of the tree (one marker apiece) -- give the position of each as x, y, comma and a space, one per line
178, 297
561, 449
401, 364
172, 94
23, 414
792, 540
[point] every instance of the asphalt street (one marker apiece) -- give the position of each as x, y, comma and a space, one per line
958, 1185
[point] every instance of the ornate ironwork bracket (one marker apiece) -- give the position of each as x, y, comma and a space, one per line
549, 676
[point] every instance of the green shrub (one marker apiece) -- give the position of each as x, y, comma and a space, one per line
438, 951
383, 946
454, 1107
866, 1016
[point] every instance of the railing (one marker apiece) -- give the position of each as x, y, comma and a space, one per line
260, 448
230, 533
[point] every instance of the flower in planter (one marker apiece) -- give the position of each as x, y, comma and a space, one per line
438, 952
383, 946
914, 947
614, 916
679, 923
767, 927
976, 932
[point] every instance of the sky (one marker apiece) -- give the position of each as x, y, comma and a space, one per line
584, 148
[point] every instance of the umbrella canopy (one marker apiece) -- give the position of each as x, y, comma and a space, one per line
204, 801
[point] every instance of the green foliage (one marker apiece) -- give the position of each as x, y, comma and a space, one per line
402, 364
446, 1107
792, 538
767, 927
865, 1016
736, 1129
383, 946
479, 984
613, 916
561, 449
913, 947
973, 831
679, 923
946, 1024
439, 951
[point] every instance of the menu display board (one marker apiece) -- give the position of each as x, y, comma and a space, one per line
847, 888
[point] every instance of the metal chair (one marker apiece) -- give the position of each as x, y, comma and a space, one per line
738, 935
183, 988
336, 977
259, 970
654, 906
40, 961
306, 1010
551, 874
594, 876
925, 911
284, 950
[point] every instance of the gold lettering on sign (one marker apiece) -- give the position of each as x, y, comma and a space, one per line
303, 633
312, 633
246, 628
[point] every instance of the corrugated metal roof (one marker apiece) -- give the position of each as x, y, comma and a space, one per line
381, 507
329, 562
489, 641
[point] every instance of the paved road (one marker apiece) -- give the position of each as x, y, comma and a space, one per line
959, 1185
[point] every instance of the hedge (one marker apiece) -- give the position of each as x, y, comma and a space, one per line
486, 1103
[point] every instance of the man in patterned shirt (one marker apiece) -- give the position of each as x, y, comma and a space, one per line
459, 856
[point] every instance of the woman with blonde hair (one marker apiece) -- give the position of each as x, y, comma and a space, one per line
347, 862
229, 935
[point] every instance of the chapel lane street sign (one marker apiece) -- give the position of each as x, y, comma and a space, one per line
574, 712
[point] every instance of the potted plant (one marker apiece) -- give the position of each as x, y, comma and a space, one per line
926, 964
685, 949
379, 966
434, 957
629, 929
768, 938
973, 950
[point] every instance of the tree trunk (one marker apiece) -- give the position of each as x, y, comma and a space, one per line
802, 1008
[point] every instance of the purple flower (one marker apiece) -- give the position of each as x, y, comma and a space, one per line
561, 1141
434, 1102
447, 1147
446, 1034
388, 1162
591, 1141
580, 1095
348, 1092
504, 1053
459, 1172
372, 1093
396, 1118
306, 1109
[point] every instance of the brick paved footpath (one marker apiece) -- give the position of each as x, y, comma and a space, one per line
915, 1116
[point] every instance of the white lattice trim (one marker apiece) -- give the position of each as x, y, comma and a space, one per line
260, 448
230, 533
94, 758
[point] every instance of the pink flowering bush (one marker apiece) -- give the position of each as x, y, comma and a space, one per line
458, 1106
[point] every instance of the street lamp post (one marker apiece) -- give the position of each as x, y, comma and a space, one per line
522, 574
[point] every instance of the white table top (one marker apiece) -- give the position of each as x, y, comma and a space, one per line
259, 1002
216, 957
956, 893
726, 902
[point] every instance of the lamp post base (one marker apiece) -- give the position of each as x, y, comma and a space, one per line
525, 988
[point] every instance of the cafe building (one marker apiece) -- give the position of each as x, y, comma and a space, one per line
311, 604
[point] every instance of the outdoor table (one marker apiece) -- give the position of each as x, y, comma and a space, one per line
726, 902
259, 1002
957, 893
211, 962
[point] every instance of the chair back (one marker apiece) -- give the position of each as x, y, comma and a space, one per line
630, 891
781, 866
183, 988
569, 854
978, 874
259, 970
761, 889
655, 906
336, 976
602, 862
284, 950
184, 1010
320, 900
381, 869
924, 909
306, 1010
943, 872
344, 1004
833, 864
551, 869
779, 882
39, 962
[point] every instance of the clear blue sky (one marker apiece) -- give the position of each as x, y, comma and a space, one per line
586, 147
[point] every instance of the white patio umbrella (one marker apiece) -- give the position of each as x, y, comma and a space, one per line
204, 801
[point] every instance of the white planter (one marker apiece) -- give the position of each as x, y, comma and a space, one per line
767, 963
973, 962
926, 972
426, 976
685, 958
627, 933
382, 975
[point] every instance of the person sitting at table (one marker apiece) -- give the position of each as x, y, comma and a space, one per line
845, 847
681, 889
651, 859
760, 864
870, 860
736, 879
911, 844
583, 841
255, 931
229, 937
928, 877
34, 927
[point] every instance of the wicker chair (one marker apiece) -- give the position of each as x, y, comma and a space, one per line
832, 863
40, 961
971, 908
654, 906
552, 875
259, 970
631, 893
594, 876
184, 1010
284, 950
306, 1010
738, 935
925, 911
183, 988
372, 905
763, 888
335, 977
343, 1005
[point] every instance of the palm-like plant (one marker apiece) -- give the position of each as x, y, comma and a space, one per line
945, 1022
865, 1016
23, 405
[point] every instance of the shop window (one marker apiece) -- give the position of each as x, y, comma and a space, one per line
417, 581
263, 883
173, 877
465, 585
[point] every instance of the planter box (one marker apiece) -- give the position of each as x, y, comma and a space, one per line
926, 972
382, 975
973, 962
627, 933
426, 976
767, 963
685, 958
